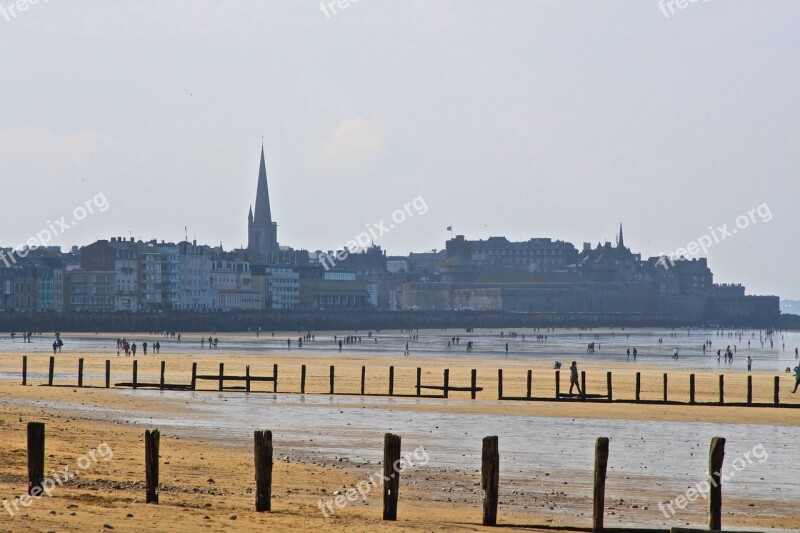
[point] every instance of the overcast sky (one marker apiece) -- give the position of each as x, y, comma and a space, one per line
525, 119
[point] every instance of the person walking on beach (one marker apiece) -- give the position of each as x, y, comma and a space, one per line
144, 347
573, 378
629, 354
635, 353
796, 378
749, 363
406, 352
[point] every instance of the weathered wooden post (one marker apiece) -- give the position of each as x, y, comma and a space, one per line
600, 466
391, 381
777, 389
583, 383
151, 442
446, 382
749, 390
24, 369
332, 376
35, 457
608, 387
51, 370
419, 381
161, 379
303, 379
691, 388
665, 386
474, 383
363, 379
721, 389
247, 378
558, 384
194, 376
638, 386
275, 377
262, 448
80, 372
391, 485
221, 376
715, 456
530, 384
499, 383
108, 373
490, 479
135, 380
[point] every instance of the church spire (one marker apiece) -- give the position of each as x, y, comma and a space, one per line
263, 214
620, 240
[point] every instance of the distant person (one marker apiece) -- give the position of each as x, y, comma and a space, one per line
158, 346
629, 353
55, 347
406, 352
573, 378
133, 349
635, 353
749, 363
144, 347
796, 378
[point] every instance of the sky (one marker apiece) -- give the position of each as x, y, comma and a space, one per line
526, 119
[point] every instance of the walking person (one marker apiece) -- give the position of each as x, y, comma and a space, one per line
573, 378
749, 363
796, 378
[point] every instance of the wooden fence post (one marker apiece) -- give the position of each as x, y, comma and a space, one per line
608, 387
530, 384
275, 377
391, 381
715, 456
446, 382
419, 381
558, 384
499, 383
151, 442
161, 380
749, 390
777, 389
583, 383
247, 378
80, 372
363, 379
51, 370
303, 379
108, 373
194, 376
262, 447
474, 383
135, 373
600, 466
24, 369
490, 479
391, 454
221, 376
721, 389
691, 388
665, 386
332, 376
35, 457
638, 386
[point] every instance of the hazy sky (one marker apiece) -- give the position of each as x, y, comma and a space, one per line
525, 119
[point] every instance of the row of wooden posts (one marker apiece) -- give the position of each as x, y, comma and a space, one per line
221, 378
490, 473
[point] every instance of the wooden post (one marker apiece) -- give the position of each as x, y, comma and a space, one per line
135, 373
474, 383
419, 381
151, 441
391, 486
50, 371
80, 372
24, 369
303, 379
247, 378
749, 390
262, 447
490, 479
446, 382
777, 389
583, 383
221, 376
715, 456
600, 465
35, 457
275, 376
691, 388
608, 387
558, 384
638, 386
331, 378
363, 379
721, 389
391, 381
108, 373
161, 381
530, 384
499, 383
194, 376
665, 386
